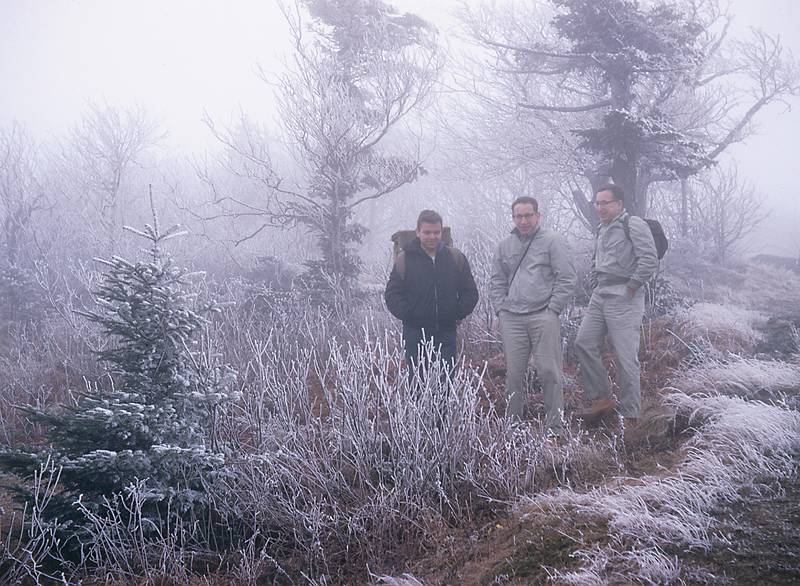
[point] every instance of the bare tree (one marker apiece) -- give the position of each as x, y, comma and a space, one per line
101, 150
714, 212
640, 93
21, 191
362, 70
725, 211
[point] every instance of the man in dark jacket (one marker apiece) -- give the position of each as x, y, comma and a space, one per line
430, 289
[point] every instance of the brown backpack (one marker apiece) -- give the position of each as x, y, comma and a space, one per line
401, 238
400, 260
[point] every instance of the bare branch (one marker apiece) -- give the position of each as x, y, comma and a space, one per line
586, 108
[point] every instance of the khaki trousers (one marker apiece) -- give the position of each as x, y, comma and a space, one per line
538, 334
619, 317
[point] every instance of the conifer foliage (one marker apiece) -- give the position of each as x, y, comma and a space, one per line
153, 421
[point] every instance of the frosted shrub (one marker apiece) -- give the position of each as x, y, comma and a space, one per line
122, 539
284, 320
30, 544
42, 358
739, 445
727, 327
155, 418
353, 458
744, 377
661, 297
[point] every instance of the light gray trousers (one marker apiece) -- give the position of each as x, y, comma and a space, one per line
619, 317
538, 333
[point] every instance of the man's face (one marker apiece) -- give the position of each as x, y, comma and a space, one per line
607, 207
526, 219
430, 235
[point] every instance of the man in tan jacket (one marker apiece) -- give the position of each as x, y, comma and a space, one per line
532, 281
625, 259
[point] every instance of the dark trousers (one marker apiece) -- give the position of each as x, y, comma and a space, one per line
417, 353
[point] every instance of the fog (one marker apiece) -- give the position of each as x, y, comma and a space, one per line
206, 377
183, 59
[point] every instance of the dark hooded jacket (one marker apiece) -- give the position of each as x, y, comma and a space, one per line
431, 295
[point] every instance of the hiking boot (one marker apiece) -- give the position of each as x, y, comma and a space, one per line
597, 409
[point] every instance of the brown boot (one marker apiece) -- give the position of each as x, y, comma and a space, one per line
597, 409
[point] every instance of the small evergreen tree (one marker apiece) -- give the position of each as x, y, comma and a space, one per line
152, 422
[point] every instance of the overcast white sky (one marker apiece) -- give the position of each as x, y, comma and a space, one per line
178, 58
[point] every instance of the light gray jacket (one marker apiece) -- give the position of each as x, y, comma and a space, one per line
545, 279
620, 260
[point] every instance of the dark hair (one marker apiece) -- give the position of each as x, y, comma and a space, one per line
615, 190
428, 217
526, 199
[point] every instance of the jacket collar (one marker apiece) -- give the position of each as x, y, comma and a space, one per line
532, 235
619, 218
415, 247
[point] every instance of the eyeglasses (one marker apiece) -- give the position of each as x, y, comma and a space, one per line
523, 216
601, 204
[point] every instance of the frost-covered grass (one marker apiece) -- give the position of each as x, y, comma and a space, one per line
355, 460
745, 377
745, 284
335, 461
27, 540
40, 364
739, 446
404, 580
727, 327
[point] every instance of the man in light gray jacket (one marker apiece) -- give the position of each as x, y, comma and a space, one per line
532, 281
625, 259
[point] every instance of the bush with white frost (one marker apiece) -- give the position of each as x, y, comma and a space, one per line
727, 327
744, 377
153, 419
354, 459
739, 445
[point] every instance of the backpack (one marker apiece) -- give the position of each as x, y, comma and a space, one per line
400, 261
661, 240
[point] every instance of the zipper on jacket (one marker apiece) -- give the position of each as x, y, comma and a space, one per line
435, 293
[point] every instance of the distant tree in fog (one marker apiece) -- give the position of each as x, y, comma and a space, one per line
723, 211
22, 193
633, 91
97, 159
359, 68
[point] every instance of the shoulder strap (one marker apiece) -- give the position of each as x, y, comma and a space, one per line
514, 274
458, 257
596, 240
400, 264
400, 260
626, 225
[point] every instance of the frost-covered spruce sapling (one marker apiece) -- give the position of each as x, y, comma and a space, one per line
153, 419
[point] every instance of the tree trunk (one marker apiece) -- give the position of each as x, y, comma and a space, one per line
684, 207
623, 171
586, 209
